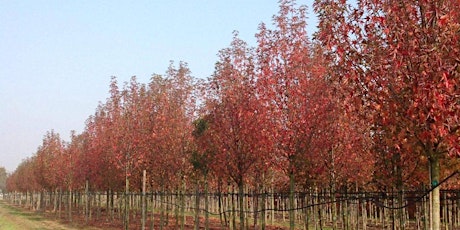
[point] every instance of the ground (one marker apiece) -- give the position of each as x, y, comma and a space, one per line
13, 218
17, 218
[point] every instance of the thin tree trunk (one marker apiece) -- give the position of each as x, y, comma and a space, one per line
206, 202
86, 201
60, 202
305, 210
334, 205
233, 223
126, 212
222, 214
263, 214
291, 201
55, 199
241, 203
143, 200
436, 203
152, 225
182, 204
40, 201
162, 210
99, 206
69, 199
255, 206
197, 206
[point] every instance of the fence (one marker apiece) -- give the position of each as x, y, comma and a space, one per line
315, 209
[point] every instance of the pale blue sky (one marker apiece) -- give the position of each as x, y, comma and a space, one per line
56, 57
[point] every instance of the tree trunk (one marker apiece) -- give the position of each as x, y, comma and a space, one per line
222, 214
305, 210
60, 202
86, 201
263, 214
334, 205
143, 199
233, 220
69, 199
162, 209
55, 203
99, 201
182, 205
291, 201
241, 203
153, 212
197, 206
206, 203
176, 199
126, 211
436, 204
41, 201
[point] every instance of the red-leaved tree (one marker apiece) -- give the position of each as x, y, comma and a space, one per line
234, 117
398, 61
293, 87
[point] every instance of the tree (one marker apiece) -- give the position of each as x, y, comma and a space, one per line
170, 114
235, 116
98, 161
201, 158
292, 85
47, 159
398, 61
3, 177
23, 178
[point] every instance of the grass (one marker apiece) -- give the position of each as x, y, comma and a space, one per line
17, 212
6, 225
12, 218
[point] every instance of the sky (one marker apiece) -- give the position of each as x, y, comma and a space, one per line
57, 57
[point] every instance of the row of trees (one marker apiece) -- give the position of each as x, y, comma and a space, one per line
373, 102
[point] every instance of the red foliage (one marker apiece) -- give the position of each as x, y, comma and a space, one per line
48, 168
234, 115
398, 63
